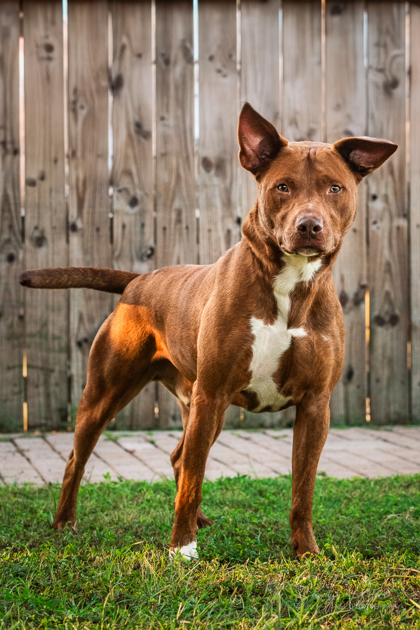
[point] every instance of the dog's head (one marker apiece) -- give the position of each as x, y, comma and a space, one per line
307, 190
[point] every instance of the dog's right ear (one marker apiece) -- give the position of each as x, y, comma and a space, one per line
259, 140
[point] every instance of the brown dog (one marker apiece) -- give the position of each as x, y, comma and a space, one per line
261, 328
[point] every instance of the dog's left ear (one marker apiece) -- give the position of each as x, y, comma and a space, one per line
364, 155
259, 140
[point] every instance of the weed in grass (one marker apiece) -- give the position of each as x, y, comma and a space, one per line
115, 573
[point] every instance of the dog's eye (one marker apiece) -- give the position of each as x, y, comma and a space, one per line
335, 188
282, 188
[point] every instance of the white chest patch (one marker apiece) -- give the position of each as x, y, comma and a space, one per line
272, 340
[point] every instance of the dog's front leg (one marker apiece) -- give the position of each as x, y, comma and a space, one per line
309, 435
176, 461
205, 421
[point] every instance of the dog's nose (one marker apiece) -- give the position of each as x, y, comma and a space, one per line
309, 225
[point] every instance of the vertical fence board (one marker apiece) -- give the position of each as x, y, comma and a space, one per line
11, 252
302, 81
175, 181
388, 245
345, 117
260, 48
45, 225
415, 209
218, 145
88, 186
132, 171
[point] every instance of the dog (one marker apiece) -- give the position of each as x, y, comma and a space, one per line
262, 328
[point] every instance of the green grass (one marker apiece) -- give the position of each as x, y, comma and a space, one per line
115, 572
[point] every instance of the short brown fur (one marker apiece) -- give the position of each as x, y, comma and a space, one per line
190, 326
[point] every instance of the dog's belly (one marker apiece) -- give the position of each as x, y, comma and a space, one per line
270, 343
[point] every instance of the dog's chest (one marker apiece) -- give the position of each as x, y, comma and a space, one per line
272, 340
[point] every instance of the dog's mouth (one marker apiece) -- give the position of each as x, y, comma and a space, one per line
309, 251
294, 244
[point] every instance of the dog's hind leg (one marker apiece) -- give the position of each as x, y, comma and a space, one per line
119, 367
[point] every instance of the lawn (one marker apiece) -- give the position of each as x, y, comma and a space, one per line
115, 571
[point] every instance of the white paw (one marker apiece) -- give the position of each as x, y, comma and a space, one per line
187, 552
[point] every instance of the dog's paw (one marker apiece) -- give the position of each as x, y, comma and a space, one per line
62, 523
187, 552
303, 539
305, 547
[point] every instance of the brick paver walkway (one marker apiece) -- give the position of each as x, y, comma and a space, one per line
145, 455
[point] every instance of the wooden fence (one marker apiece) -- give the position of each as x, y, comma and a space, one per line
124, 155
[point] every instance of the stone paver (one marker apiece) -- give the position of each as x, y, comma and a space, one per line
353, 460
413, 432
123, 462
395, 437
145, 455
238, 462
96, 468
393, 457
14, 467
148, 454
42, 457
256, 451
61, 442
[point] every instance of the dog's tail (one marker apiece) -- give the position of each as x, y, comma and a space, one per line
109, 280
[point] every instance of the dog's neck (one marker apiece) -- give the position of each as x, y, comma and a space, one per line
266, 252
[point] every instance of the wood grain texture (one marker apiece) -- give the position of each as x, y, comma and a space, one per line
224, 192
11, 252
346, 117
175, 178
218, 145
260, 73
388, 244
260, 85
89, 204
415, 209
45, 223
302, 84
132, 174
